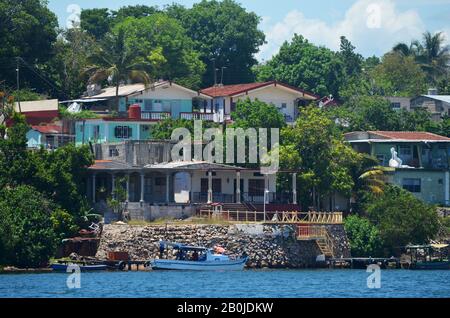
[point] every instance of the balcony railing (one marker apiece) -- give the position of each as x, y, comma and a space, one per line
200, 197
155, 115
197, 116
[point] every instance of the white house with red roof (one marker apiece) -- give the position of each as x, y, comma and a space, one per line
285, 97
424, 160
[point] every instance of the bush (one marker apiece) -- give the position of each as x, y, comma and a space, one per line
401, 218
364, 237
27, 238
63, 224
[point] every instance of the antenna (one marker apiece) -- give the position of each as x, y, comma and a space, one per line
18, 83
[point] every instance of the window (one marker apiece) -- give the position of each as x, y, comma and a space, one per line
113, 152
216, 186
284, 105
412, 185
395, 106
123, 132
256, 187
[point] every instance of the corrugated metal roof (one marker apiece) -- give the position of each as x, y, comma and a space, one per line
38, 105
443, 98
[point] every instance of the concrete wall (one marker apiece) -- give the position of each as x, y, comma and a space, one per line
432, 184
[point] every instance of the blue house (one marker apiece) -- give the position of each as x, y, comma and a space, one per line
158, 101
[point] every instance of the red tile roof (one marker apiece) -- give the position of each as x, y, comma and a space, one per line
409, 135
231, 90
48, 129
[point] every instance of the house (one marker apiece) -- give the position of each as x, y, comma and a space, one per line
437, 105
49, 136
39, 111
398, 103
137, 126
158, 187
158, 101
425, 160
285, 97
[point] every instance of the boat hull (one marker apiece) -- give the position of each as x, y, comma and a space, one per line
83, 268
231, 265
431, 265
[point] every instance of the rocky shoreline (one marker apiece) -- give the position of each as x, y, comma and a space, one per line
267, 246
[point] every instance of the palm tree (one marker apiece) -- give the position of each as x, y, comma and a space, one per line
435, 56
432, 55
115, 62
374, 179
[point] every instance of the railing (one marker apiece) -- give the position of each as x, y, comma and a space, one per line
197, 116
280, 198
311, 232
155, 115
275, 217
202, 197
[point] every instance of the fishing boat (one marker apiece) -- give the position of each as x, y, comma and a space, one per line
428, 257
58, 267
197, 258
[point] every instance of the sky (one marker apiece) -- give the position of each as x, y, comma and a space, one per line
373, 26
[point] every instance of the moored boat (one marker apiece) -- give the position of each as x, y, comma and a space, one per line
197, 258
428, 257
84, 268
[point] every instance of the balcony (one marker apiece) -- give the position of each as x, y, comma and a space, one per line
155, 115
197, 116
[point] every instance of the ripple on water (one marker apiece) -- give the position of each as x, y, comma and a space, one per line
249, 283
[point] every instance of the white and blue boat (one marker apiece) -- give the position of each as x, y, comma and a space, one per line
197, 259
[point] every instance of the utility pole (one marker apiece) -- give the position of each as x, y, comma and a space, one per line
221, 81
18, 83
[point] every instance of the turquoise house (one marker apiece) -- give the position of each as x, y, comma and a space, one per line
112, 130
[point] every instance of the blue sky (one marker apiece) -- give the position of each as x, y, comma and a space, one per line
373, 26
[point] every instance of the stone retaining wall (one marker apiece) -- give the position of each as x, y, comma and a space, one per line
267, 246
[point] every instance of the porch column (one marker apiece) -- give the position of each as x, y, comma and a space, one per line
266, 189
113, 185
210, 193
294, 188
167, 187
142, 174
128, 188
238, 186
93, 187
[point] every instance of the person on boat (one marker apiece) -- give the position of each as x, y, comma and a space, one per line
219, 249
195, 256
161, 249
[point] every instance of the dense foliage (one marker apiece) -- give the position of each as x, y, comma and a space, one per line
364, 237
42, 198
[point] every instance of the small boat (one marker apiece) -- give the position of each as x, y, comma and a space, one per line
197, 259
428, 257
84, 268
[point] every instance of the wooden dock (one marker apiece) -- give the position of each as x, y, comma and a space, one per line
363, 262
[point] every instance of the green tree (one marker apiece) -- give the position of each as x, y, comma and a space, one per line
166, 47
71, 58
325, 162
364, 237
136, 11
401, 218
302, 64
352, 61
27, 30
257, 114
223, 31
116, 61
97, 22
399, 75
26, 229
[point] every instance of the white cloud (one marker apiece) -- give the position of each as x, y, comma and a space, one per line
373, 26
